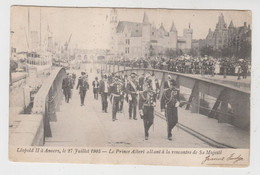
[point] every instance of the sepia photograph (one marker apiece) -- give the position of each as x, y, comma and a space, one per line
140, 86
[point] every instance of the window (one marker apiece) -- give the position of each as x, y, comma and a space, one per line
127, 41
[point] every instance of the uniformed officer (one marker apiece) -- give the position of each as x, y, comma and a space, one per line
83, 87
115, 93
132, 91
122, 96
103, 90
169, 104
147, 102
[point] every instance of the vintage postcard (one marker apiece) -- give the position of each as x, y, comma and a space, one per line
129, 86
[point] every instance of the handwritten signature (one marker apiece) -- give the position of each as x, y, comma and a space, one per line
232, 158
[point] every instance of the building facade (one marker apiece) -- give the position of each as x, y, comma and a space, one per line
228, 36
135, 40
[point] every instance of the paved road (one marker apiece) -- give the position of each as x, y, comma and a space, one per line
88, 126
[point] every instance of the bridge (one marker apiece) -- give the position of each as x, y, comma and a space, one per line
215, 115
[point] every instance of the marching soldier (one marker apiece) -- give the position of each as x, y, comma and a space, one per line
132, 91
169, 104
147, 102
115, 96
103, 90
122, 96
83, 87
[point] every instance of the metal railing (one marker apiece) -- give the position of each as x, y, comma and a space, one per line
225, 95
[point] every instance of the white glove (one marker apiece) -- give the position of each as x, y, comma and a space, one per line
177, 104
141, 112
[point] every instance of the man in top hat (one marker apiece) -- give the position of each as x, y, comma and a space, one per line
103, 90
66, 86
95, 85
132, 91
169, 103
147, 102
115, 95
83, 87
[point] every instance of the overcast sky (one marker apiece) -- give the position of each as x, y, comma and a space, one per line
90, 26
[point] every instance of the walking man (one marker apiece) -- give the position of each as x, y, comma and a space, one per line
115, 96
132, 91
169, 104
147, 102
95, 85
66, 86
83, 87
103, 90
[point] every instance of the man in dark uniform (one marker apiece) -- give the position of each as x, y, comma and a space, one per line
66, 86
103, 90
147, 102
169, 104
74, 78
83, 87
132, 91
122, 95
95, 85
115, 93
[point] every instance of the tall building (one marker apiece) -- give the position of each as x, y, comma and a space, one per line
142, 39
231, 36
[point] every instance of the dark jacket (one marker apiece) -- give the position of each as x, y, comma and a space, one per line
82, 84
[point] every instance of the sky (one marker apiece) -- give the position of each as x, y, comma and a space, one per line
90, 27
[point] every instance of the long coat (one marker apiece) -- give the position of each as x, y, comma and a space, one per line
168, 101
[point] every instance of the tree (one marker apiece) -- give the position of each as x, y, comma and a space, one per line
194, 52
207, 50
170, 53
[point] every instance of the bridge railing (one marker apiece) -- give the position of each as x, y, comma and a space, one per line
231, 104
48, 99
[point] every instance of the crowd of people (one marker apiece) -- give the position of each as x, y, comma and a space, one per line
206, 65
140, 92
